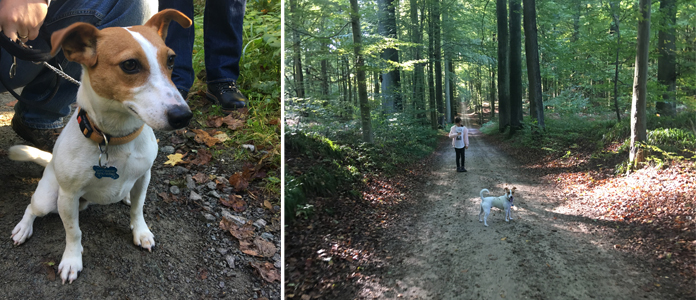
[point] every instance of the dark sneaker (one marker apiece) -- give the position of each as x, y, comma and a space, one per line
226, 94
459, 169
43, 139
463, 169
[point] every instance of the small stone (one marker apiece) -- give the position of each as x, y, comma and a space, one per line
230, 261
277, 264
189, 182
276, 257
276, 208
260, 223
222, 251
228, 190
214, 194
211, 185
208, 216
222, 284
267, 236
180, 170
167, 150
195, 196
250, 147
174, 189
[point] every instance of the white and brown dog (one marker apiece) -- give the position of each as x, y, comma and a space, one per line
503, 202
106, 150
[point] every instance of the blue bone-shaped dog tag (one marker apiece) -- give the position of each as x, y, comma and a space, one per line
100, 172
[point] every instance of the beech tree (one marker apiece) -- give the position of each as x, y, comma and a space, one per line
640, 85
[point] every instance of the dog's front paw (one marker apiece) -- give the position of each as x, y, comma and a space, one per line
69, 267
144, 238
21, 233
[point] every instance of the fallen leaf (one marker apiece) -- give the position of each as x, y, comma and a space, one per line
248, 248
238, 204
203, 137
266, 248
274, 122
306, 297
221, 136
202, 157
165, 196
200, 178
239, 182
202, 274
267, 204
243, 233
232, 122
267, 271
174, 159
505, 238
11, 103
214, 121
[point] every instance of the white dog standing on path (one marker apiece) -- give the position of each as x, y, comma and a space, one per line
503, 202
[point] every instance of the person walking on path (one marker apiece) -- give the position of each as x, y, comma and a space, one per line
460, 141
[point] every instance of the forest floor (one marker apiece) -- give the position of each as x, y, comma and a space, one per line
193, 257
423, 240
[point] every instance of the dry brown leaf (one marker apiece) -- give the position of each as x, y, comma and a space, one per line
236, 203
274, 122
233, 123
248, 248
200, 178
203, 137
174, 159
267, 204
266, 248
221, 136
214, 121
202, 274
267, 271
243, 233
202, 158
239, 181
11, 103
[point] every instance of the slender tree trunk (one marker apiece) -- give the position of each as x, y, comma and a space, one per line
362, 84
616, 69
431, 79
493, 89
418, 84
452, 90
666, 63
640, 85
533, 70
503, 66
515, 65
437, 50
297, 51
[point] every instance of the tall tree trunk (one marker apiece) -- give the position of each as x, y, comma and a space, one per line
297, 50
418, 84
391, 91
666, 62
531, 44
452, 90
640, 85
362, 84
437, 59
503, 66
615, 13
493, 89
515, 65
431, 64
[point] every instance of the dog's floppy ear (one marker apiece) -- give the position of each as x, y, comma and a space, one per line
160, 21
78, 41
514, 189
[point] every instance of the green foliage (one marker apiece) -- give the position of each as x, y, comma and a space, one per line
672, 139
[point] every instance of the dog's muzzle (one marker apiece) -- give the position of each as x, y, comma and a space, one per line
179, 116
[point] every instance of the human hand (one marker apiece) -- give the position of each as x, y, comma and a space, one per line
21, 19
466, 147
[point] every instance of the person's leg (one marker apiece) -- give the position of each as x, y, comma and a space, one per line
181, 41
463, 159
40, 111
223, 26
458, 155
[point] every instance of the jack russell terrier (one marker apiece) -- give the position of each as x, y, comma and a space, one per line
106, 150
503, 202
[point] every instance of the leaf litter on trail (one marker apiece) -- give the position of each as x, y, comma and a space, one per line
239, 181
174, 159
267, 271
214, 121
244, 232
203, 157
200, 177
235, 202
203, 137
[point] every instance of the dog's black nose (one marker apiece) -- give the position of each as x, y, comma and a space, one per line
179, 116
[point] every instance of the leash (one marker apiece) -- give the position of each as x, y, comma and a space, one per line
25, 52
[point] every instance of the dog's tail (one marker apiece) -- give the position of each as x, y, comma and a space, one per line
487, 192
27, 153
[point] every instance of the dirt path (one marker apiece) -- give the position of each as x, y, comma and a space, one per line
546, 252
193, 257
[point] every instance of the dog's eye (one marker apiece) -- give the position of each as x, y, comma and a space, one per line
130, 66
170, 61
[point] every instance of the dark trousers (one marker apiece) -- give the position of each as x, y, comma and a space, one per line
460, 155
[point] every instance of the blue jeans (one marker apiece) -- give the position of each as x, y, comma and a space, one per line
223, 26
38, 82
